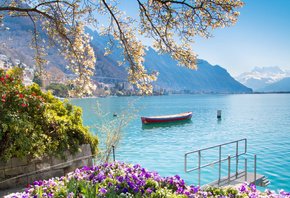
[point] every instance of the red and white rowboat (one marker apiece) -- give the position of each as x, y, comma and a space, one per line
166, 118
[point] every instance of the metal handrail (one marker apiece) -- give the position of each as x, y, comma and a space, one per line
215, 162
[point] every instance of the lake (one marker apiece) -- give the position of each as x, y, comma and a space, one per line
263, 119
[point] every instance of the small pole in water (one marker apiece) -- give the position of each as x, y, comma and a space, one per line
219, 113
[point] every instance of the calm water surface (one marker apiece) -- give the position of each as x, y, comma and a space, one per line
263, 119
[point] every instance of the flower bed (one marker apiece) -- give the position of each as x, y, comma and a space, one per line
125, 180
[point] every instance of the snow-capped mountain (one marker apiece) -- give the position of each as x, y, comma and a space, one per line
259, 77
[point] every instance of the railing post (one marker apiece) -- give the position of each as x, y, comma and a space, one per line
237, 158
255, 176
220, 158
185, 162
199, 168
229, 169
246, 171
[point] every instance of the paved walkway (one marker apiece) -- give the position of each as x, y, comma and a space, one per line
12, 190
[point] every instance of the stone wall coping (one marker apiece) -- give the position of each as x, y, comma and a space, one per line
18, 172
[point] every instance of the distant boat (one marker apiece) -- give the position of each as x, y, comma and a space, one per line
166, 118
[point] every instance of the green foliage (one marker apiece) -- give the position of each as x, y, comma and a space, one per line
59, 90
37, 79
33, 122
218, 191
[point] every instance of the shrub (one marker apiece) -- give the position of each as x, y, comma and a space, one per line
33, 122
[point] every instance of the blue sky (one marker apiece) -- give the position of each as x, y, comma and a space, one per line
260, 38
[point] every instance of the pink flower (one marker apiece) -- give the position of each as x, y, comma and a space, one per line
16, 92
11, 79
2, 79
33, 94
43, 100
23, 105
7, 75
4, 96
20, 95
37, 106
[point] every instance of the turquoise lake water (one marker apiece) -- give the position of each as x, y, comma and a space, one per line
264, 120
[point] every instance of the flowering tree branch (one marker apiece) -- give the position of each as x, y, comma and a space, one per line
172, 24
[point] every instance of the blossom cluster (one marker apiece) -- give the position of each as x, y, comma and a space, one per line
126, 180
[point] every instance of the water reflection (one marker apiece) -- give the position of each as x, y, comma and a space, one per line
165, 125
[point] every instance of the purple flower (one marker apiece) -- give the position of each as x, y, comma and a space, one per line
135, 177
101, 176
181, 183
125, 190
137, 166
242, 188
141, 183
111, 176
91, 176
177, 177
179, 191
147, 175
149, 190
142, 191
120, 179
136, 190
70, 195
131, 184
86, 168
193, 189
77, 171
103, 190
110, 184
49, 195
253, 187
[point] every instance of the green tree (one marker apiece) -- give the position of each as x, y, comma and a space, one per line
59, 90
33, 122
37, 79
107, 92
172, 24
120, 93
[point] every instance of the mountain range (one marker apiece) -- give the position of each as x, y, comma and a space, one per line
266, 79
208, 78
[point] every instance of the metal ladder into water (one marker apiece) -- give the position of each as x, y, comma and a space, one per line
237, 178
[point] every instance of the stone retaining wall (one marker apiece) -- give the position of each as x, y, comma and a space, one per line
18, 173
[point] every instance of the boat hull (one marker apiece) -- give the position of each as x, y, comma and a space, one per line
164, 119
